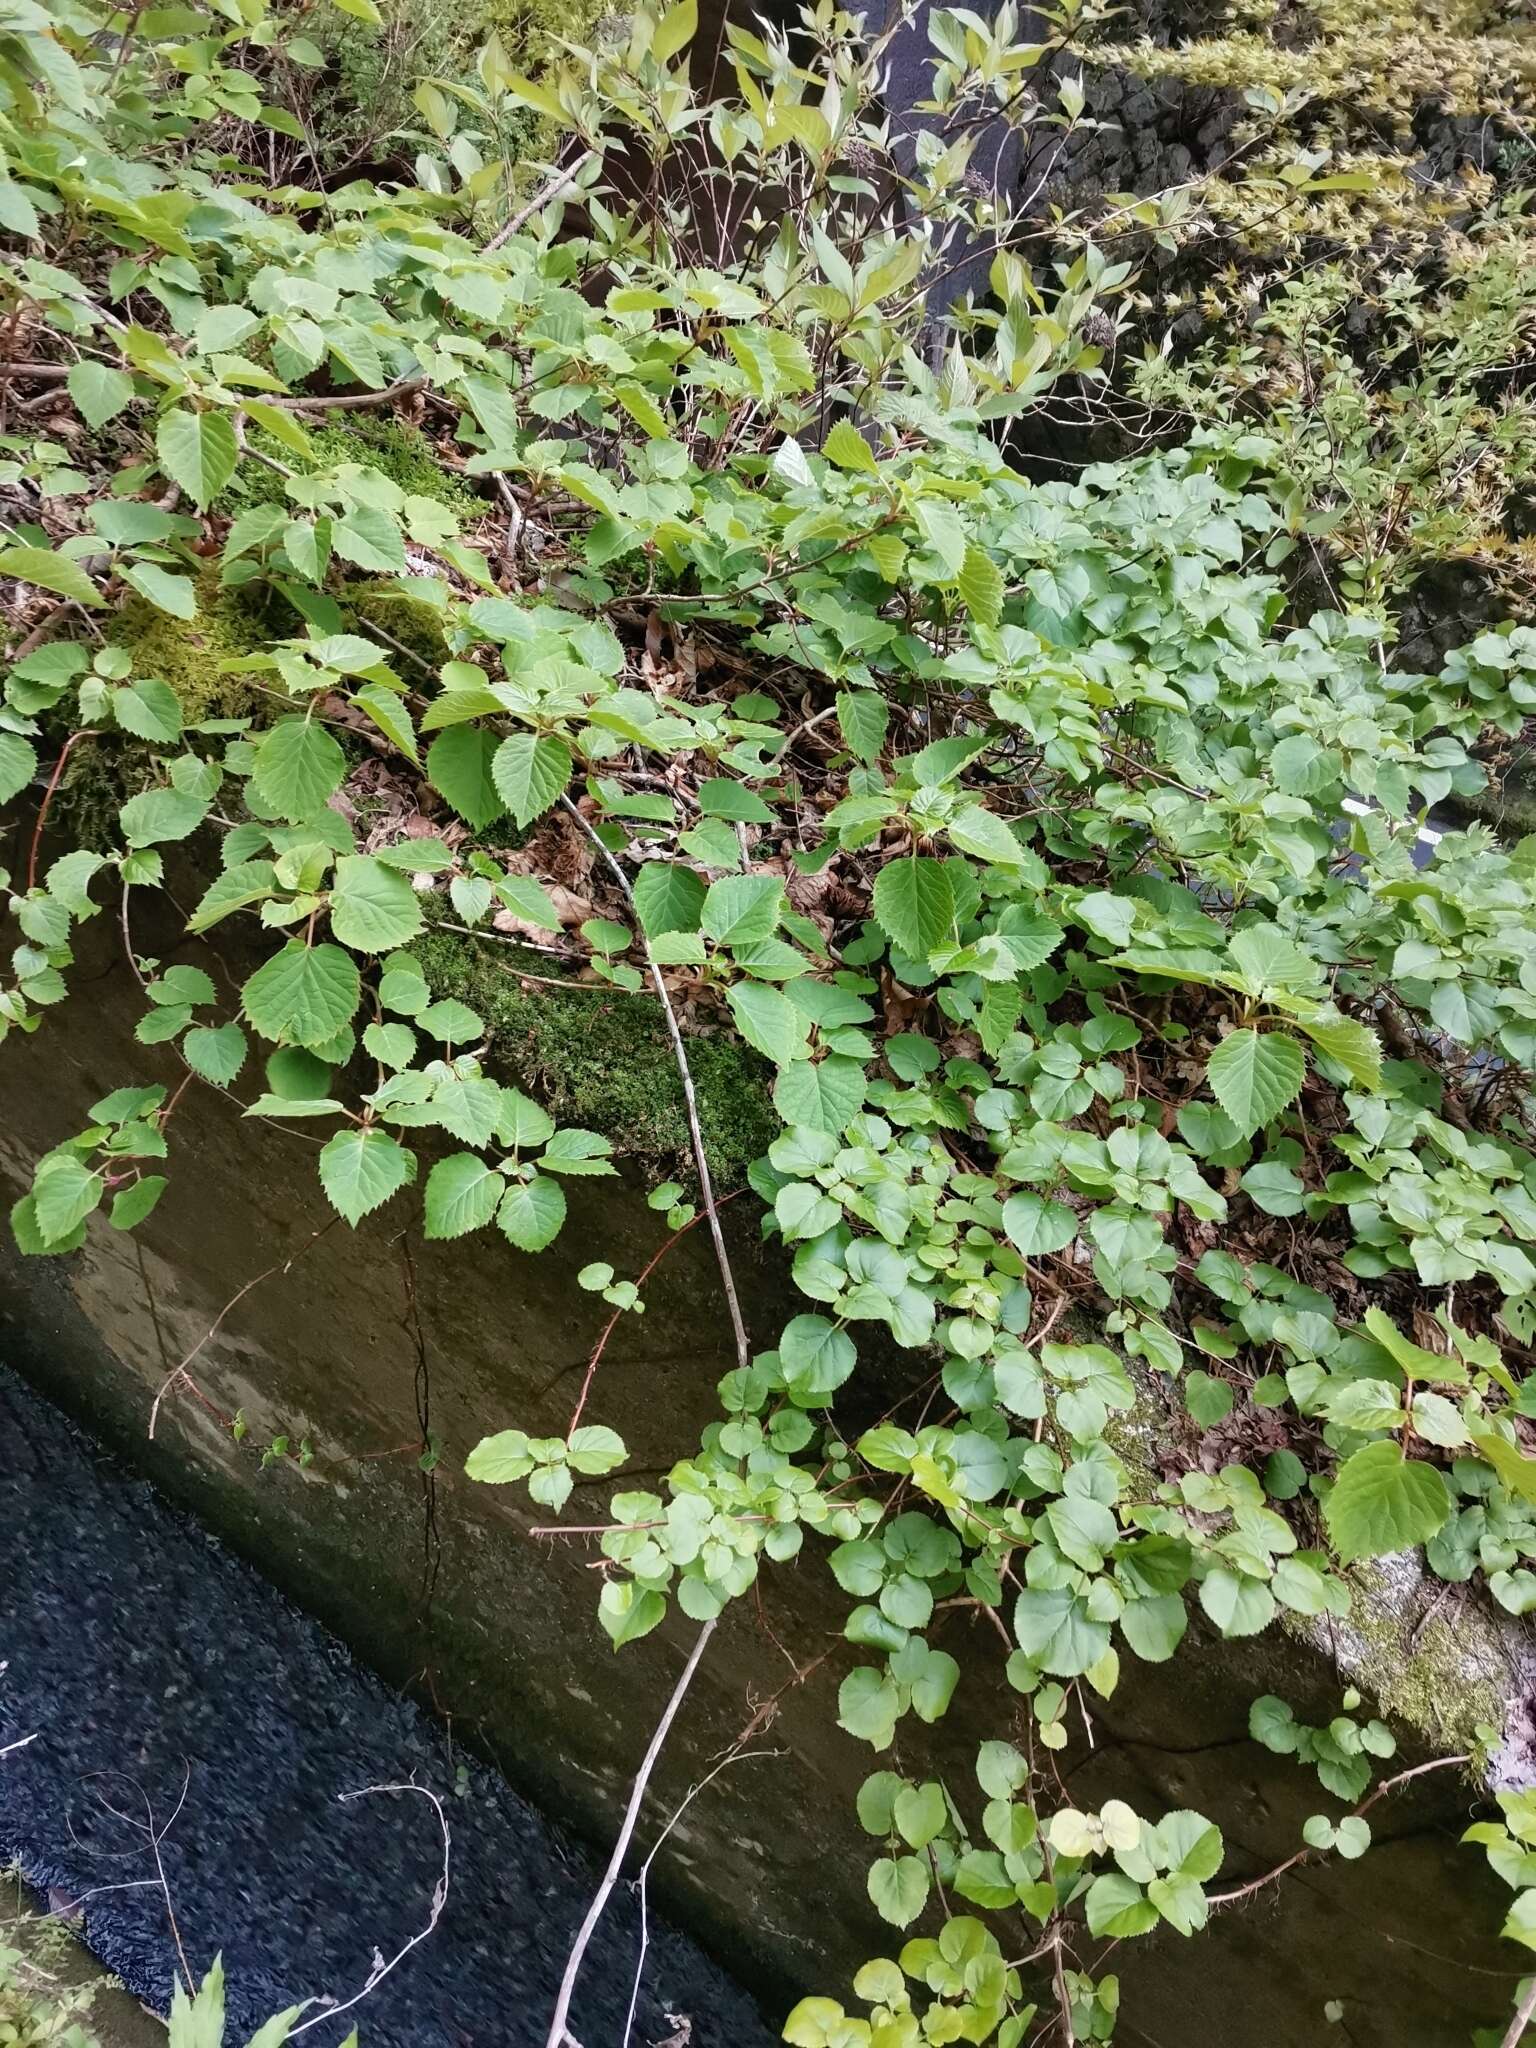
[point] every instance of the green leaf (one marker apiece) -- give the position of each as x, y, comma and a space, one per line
247, 882
167, 593
768, 1021
50, 571
99, 392
668, 897
847, 447
914, 904
863, 717
982, 832
64, 1193
373, 909
389, 714
18, 765
1115, 1906
462, 1194
898, 1887
1382, 1501
303, 995
159, 815
822, 1095
739, 909
197, 450
1349, 1045
459, 766
1254, 1074
675, 30
198, 2022
369, 538
627, 1612
361, 1169
149, 710
527, 899
980, 584
131, 1205
530, 774
532, 1212
218, 1055
1036, 1226
817, 1358
298, 765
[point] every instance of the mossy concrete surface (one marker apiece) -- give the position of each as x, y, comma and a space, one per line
336, 1335
601, 1057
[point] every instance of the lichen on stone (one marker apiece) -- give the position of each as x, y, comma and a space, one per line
602, 1058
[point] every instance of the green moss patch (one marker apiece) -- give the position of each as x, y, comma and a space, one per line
603, 1059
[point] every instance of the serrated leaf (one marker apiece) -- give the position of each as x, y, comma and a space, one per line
532, 1212
847, 447
369, 538
217, 1054
390, 715
18, 765
980, 585
668, 897
361, 1169
373, 909
298, 765
176, 595
767, 1020
530, 774
898, 1888
1350, 1045
462, 1194
148, 709
982, 832
823, 1095
99, 392
198, 451
64, 1192
303, 995
159, 815
50, 570
863, 717
459, 766
914, 904
1382, 1501
248, 882
529, 900
1254, 1074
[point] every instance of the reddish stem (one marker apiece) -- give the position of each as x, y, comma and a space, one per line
89, 733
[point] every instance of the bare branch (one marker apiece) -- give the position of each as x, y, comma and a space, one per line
381, 1968
558, 2035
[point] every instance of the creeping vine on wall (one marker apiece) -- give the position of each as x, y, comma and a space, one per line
1063, 871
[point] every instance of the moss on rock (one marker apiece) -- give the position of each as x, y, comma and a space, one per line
601, 1058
